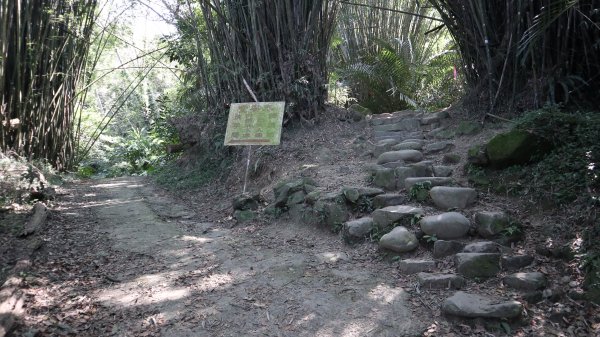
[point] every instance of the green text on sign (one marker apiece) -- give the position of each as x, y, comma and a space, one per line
254, 123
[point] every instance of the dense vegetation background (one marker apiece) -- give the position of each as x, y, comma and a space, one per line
79, 90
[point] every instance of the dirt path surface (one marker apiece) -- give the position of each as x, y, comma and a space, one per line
122, 258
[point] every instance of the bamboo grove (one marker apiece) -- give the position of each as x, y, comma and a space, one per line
43, 50
279, 47
526, 53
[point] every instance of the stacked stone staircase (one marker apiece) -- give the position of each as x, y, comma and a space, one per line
406, 163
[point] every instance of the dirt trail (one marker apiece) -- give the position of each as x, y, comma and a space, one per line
171, 275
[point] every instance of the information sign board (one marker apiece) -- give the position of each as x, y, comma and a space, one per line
254, 123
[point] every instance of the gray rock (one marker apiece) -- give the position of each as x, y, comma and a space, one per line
414, 140
481, 247
384, 146
406, 155
440, 281
394, 164
437, 147
442, 171
407, 146
491, 224
385, 178
406, 124
385, 200
402, 173
470, 305
422, 169
399, 240
244, 216
515, 262
332, 213
246, 202
526, 281
357, 229
446, 197
435, 181
443, 248
391, 214
451, 225
413, 266
296, 198
477, 265
353, 194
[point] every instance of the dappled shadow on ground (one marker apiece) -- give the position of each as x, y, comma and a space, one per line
121, 259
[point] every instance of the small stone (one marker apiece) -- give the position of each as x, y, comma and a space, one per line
443, 248
385, 200
407, 146
526, 281
481, 247
437, 147
470, 305
477, 265
446, 197
491, 224
573, 284
392, 214
442, 171
399, 240
451, 225
440, 281
434, 181
406, 155
515, 262
413, 266
357, 229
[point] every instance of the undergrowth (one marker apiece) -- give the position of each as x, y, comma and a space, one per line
173, 177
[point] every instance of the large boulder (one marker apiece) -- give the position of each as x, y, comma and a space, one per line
451, 225
400, 240
470, 305
515, 147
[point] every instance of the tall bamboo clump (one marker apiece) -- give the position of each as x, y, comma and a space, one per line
279, 47
43, 48
548, 47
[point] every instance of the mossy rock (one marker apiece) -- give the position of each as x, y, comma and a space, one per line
515, 147
477, 155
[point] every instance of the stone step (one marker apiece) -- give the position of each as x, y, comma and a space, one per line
399, 136
407, 146
446, 197
392, 214
440, 281
391, 118
526, 281
406, 124
442, 171
389, 199
482, 247
515, 262
491, 224
443, 248
435, 181
412, 156
354, 193
477, 265
437, 147
413, 266
463, 304
450, 225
